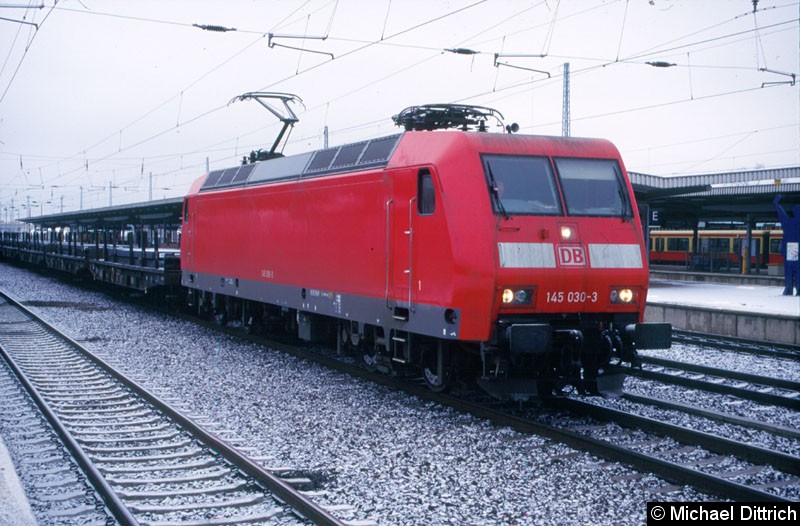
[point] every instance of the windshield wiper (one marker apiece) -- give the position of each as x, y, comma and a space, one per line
496, 191
623, 196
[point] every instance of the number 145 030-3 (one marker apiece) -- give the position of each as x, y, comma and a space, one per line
571, 297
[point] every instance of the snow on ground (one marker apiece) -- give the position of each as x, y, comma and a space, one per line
399, 460
741, 298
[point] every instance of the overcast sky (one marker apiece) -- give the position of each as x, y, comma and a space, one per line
109, 92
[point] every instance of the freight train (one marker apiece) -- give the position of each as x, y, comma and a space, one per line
516, 261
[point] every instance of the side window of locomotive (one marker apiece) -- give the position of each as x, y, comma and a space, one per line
521, 185
426, 193
593, 187
775, 245
185, 210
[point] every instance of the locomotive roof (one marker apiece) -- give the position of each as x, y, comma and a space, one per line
362, 155
376, 153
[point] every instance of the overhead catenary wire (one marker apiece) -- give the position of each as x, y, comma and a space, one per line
386, 18
376, 42
25, 54
656, 105
622, 29
369, 43
261, 36
190, 120
714, 138
548, 39
608, 62
373, 82
760, 155
163, 104
10, 50
422, 24
720, 154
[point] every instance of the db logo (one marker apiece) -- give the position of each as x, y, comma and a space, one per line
571, 256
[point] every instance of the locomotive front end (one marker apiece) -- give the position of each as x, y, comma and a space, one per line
571, 270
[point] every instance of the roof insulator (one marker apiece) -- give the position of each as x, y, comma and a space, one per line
219, 29
462, 51
661, 64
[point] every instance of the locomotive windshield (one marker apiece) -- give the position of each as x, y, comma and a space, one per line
521, 185
526, 185
593, 187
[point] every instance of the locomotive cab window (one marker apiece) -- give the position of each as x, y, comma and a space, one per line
593, 187
186, 210
521, 185
426, 193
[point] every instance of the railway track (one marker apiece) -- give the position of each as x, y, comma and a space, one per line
648, 446
55, 483
602, 435
768, 349
674, 453
716, 459
758, 388
147, 462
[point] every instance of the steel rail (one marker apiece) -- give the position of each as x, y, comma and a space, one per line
606, 450
106, 492
724, 373
300, 503
747, 394
757, 347
713, 415
724, 446
603, 449
667, 470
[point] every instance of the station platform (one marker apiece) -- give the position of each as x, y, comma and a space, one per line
728, 305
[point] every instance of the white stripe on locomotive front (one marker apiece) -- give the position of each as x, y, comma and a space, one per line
614, 256
527, 255
542, 255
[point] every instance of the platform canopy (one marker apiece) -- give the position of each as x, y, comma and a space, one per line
163, 212
676, 202
683, 201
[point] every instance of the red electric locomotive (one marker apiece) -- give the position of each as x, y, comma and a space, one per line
516, 260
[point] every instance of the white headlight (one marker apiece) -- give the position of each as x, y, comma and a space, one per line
508, 296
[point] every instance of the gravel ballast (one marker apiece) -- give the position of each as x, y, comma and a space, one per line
396, 459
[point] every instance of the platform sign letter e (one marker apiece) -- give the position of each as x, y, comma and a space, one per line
571, 256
